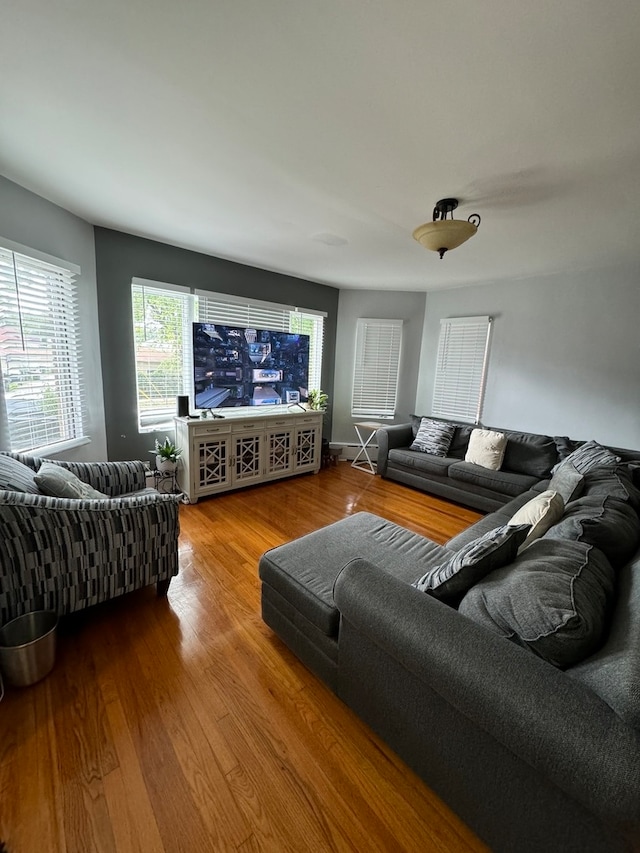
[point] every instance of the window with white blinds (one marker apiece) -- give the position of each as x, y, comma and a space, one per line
376, 368
162, 317
43, 399
162, 320
461, 368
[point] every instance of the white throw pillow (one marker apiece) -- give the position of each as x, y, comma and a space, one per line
541, 512
486, 448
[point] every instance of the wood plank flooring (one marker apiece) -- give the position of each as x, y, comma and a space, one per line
184, 724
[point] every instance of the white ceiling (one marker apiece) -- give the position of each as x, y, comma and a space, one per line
311, 137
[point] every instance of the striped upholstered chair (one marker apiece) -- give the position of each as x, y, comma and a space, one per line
64, 554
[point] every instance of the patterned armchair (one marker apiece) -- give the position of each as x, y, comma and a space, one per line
65, 554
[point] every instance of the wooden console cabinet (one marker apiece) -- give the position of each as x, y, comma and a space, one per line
241, 449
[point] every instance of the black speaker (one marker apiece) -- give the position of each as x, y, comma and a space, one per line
183, 407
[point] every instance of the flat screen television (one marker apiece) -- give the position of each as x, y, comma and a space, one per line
235, 366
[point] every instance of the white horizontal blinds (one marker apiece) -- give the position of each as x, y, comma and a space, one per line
227, 310
376, 369
313, 325
43, 396
461, 367
162, 317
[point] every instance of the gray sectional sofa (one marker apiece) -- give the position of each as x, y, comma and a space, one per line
528, 459
535, 757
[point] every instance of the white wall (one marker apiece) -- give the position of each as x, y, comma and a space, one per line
565, 353
375, 304
32, 221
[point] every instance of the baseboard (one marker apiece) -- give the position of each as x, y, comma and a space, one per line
350, 450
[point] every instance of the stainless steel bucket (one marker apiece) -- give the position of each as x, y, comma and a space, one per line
28, 647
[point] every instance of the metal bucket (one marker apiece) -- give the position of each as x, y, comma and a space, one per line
28, 647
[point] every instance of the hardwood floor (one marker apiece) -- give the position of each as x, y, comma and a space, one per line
184, 724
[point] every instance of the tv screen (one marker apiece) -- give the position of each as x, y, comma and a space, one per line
234, 366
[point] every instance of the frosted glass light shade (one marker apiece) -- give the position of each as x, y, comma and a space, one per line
445, 234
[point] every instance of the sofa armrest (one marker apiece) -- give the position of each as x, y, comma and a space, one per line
398, 435
551, 722
111, 478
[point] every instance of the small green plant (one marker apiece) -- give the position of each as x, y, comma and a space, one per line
318, 400
167, 450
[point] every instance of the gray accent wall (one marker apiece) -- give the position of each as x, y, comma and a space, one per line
375, 304
565, 353
120, 258
36, 223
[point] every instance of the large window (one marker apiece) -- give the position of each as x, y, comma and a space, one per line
162, 318
461, 367
42, 399
376, 368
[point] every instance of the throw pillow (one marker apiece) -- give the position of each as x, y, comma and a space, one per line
589, 455
553, 599
606, 522
486, 448
59, 482
473, 562
568, 482
433, 437
541, 513
15, 476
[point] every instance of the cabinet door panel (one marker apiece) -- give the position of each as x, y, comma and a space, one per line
213, 469
278, 452
246, 458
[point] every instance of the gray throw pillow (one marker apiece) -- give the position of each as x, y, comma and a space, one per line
59, 482
15, 476
473, 562
568, 482
554, 599
603, 521
589, 455
433, 437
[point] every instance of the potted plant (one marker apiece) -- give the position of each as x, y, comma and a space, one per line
167, 455
318, 400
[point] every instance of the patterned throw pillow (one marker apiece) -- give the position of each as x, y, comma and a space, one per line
589, 455
17, 477
433, 437
58, 482
486, 448
473, 562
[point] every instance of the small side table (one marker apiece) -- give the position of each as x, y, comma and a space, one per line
362, 460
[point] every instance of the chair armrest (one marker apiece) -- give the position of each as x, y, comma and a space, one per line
398, 435
64, 554
550, 721
111, 478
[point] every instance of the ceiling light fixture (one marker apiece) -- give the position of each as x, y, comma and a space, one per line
444, 234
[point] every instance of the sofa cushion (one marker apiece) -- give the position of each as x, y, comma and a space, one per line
304, 571
613, 480
421, 461
59, 482
486, 448
540, 513
472, 562
504, 482
433, 437
568, 482
17, 477
590, 455
528, 453
553, 599
603, 521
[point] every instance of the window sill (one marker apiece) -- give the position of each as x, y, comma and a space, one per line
58, 447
